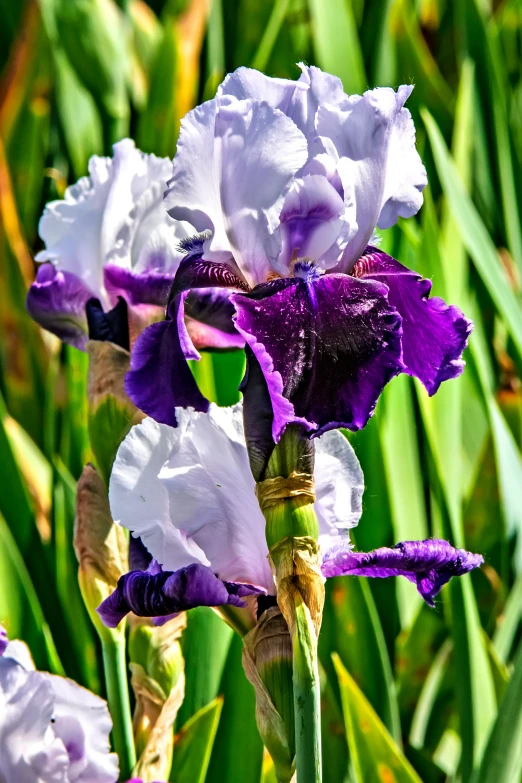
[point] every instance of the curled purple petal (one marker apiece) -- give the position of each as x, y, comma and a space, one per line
4, 641
160, 378
168, 592
56, 300
429, 564
327, 346
434, 334
150, 287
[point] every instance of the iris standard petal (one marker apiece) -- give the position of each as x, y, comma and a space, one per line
312, 222
157, 595
434, 334
234, 162
327, 346
160, 378
363, 132
56, 300
429, 564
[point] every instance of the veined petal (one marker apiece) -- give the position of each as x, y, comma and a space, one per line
160, 378
429, 564
327, 347
246, 153
434, 334
364, 132
56, 300
157, 595
310, 224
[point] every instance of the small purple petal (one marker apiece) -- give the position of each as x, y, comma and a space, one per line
4, 641
327, 346
208, 318
111, 326
434, 334
429, 564
168, 592
160, 379
143, 288
57, 300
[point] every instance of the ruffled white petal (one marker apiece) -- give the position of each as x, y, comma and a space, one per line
101, 217
140, 502
371, 135
234, 163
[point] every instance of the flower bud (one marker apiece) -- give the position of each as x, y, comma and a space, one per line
159, 686
101, 546
267, 661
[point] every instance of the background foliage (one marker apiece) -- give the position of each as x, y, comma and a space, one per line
411, 693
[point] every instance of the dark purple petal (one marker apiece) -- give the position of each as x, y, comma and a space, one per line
168, 592
160, 379
4, 641
194, 272
56, 300
111, 326
429, 564
144, 288
208, 318
327, 345
434, 334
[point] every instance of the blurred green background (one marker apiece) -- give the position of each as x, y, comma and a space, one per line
76, 75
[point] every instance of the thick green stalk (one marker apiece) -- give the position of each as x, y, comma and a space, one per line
115, 668
307, 704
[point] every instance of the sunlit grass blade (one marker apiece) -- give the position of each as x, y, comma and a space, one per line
336, 43
502, 759
193, 744
474, 234
238, 750
374, 754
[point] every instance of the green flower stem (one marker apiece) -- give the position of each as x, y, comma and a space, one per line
307, 697
115, 668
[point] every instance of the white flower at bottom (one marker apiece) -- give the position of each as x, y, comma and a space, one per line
188, 492
51, 729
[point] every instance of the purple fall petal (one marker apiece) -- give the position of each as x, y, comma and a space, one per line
434, 334
327, 346
138, 288
167, 592
56, 300
111, 326
160, 379
429, 564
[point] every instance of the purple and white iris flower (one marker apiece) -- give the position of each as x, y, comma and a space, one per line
286, 183
189, 494
51, 729
110, 245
